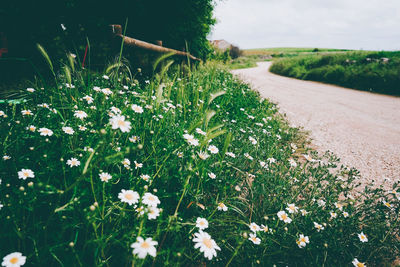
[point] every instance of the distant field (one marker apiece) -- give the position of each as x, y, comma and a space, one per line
288, 50
364, 70
250, 57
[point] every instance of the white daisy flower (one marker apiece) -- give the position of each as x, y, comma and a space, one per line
45, 132
6, 157
291, 208
106, 77
145, 177
150, 200
134, 139
263, 164
292, 163
333, 214
126, 162
129, 196
230, 154
200, 131
308, 158
153, 213
1, 206
253, 238
201, 223
31, 128
206, 244
203, 155
264, 228
212, 175
303, 212
284, 217
88, 99
143, 247
338, 206
82, 128
68, 130
387, 204
318, 226
138, 165
302, 241
253, 140
105, 177
254, 227
345, 214
191, 140
73, 162
222, 206
27, 112
116, 110
80, 114
97, 89
119, 122
14, 259
321, 202
26, 173
356, 263
137, 109
247, 155
3, 114
31, 90
363, 238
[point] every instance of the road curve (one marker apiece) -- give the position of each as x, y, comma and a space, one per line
362, 128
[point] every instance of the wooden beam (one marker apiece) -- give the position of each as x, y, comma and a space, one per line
117, 32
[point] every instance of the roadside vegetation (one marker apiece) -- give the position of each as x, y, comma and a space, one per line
370, 71
250, 57
180, 169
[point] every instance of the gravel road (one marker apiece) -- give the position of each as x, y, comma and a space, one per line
362, 128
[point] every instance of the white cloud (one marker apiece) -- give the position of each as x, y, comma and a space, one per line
355, 24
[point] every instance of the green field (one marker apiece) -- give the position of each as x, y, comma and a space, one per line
251, 56
364, 70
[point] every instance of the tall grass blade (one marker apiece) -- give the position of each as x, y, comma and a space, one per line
46, 57
161, 59
215, 95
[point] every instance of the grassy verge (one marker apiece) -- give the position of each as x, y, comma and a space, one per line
182, 170
250, 57
370, 71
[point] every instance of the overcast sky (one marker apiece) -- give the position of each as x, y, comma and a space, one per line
353, 24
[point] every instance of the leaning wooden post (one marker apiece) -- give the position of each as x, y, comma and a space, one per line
116, 31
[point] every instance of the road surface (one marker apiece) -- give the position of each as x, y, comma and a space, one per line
362, 128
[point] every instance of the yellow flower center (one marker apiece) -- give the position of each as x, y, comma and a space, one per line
284, 217
151, 198
121, 123
129, 196
302, 240
207, 242
145, 245
14, 260
26, 174
360, 264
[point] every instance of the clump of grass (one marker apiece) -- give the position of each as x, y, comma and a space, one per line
370, 71
179, 170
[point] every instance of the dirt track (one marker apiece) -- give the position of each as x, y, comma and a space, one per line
362, 128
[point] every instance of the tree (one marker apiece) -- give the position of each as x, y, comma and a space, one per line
176, 22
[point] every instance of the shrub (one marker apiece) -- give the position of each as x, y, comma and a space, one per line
205, 159
372, 71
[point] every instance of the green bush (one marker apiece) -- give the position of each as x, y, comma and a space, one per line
372, 71
200, 151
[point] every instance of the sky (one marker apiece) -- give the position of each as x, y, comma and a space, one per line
347, 24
